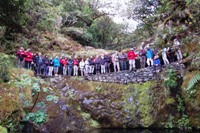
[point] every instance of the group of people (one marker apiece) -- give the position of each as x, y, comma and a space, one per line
104, 63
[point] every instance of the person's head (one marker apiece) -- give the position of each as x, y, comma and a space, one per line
91, 57
28, 50
165, 49
82, 59
46, 56
21, 48
39, 54
56, 57
131, 49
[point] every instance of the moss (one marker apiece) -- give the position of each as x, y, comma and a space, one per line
170, 100
94, 124
141, 103
3, 130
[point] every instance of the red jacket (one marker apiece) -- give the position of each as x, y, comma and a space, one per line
28, 56
131, 55
76, 62
20, 54
63, 62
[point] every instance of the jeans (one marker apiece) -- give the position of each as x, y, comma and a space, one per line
20, 63
123, 65
70, 70
107, 65
39, 69
45, 73
142, 61
91, 69
28, 64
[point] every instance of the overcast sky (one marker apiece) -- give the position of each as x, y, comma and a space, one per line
119, 7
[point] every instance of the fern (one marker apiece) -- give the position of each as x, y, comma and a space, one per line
193, 81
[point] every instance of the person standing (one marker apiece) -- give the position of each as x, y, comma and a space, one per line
28, 58
179, 54
92, 64
63, 65
142, 54
102, 63
164, 56
56, 65
97, 64
123, 59
82, 67
131, 57
115, 59
70, 66
46, 65
50, 67
107, 62
20, 57
87, 67
149, 55
76, 63
39, 63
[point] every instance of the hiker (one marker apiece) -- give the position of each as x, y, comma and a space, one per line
102, 63
20, 57
107, 62
87, 67
97, 64
91, 65
123, 59
28, 58
142, 55
46, 65
39, 63
50, 67
171, 55
179, 54
115, 59
149, 55
82, 67
131, 57
63, 65
156, 62
76, 63
56, 65
70, 66
164, 56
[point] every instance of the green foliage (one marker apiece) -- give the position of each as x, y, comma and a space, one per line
171, 79
14, 12
52, 98
35, 88
99, 89
38, 117
170, 122
192, 83
3, 129
5, 66
183, 122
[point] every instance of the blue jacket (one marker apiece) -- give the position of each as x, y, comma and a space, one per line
149, 53
102, 61
56, 62
70, 63
156, 61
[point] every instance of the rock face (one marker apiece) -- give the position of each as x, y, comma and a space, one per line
124, 103
138, 76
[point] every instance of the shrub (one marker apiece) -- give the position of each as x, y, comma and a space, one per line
5, 66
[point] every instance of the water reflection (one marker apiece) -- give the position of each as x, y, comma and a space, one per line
140, 131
